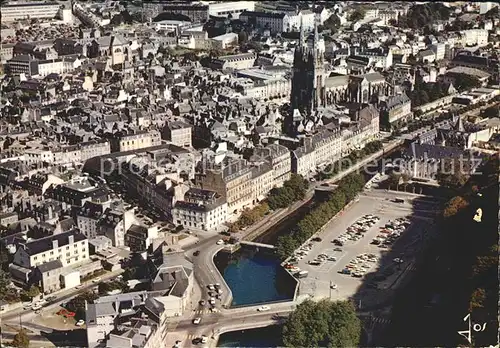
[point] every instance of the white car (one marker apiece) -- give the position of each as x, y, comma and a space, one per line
196, 321
36, 307
80, 322
333, 286
263, 308
96, 280
220, 242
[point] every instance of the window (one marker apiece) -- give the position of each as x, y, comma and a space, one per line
67, 247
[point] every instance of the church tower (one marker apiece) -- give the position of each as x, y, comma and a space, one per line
319, 93
308, 79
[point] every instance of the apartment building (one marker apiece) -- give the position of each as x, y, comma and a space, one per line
88, 216
69, 247
139, 237
233, 181
279, 158
395, 108
234, 62
262, 181
232, 8
178, 133
198, 13
275, 22
137, 140
32, 10
114, 223
200, 209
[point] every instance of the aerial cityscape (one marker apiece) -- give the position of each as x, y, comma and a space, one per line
249, 174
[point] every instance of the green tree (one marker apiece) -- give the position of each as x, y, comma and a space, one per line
477, 299
466, 82
322, 324
33, 291
356, 15
77, 304
21, 339
492, 111
454, 205
453, 173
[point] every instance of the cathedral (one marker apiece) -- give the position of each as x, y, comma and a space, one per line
308, 80
313, 87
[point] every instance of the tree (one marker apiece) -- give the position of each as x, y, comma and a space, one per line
21, 339
454, 205
356, 15
242, 37
453, 173
477, 299
33, 291
322, 324
77, 304
466, 82
332, 23
492, 111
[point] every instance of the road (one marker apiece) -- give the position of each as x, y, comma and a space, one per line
205, 271
62, 296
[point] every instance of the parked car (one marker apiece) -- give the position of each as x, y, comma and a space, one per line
196, 253
263, 308
220, 242
80, 322
96, 280
196, 321
317, 239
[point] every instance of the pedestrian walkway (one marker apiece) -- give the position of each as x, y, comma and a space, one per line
381, 321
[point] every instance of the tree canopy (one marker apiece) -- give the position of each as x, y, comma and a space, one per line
293, 190
322, 324
347, 190
422, 15
332, 23
465, 82
21, 339
77, 304
356, 15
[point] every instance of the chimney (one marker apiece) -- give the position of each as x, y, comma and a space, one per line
55, 244
71, 239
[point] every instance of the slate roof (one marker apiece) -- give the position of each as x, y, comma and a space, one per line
50, 266
41, 245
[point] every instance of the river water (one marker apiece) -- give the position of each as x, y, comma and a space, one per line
256, 277
263, 337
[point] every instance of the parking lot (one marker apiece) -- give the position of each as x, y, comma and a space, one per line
375, 209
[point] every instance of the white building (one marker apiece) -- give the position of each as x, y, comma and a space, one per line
171, 25
69, 247
224, 41
439, 50
43, 10
139, 140
233, 8
200, 209
276, 23
473, 37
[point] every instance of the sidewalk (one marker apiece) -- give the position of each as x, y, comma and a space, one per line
59, 294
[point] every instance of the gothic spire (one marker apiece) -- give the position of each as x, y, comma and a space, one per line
302, 35
316, 34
